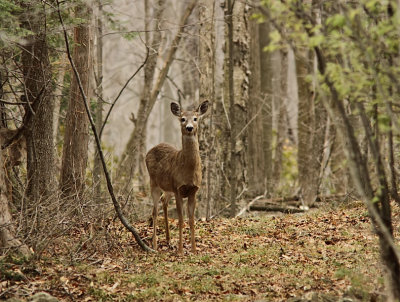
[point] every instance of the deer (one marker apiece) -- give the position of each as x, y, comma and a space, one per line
177, 172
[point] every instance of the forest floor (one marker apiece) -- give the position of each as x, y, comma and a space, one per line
330, 252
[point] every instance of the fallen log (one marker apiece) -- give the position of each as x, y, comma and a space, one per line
276, 208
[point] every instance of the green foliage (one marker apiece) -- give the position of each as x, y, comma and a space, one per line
130, 35
359, 45
10, 31
356, 40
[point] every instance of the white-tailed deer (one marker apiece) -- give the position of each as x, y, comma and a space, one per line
177, 172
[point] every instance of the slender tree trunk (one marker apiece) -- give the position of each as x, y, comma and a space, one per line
236, 91
97, 168
75, 151
219, 120
3, 114
39, 130
207, 92
266, 95
311, 131
255, 149
305, 130
282, 120
189, 51
58, 96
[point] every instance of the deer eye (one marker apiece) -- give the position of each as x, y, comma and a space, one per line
183, 119
195, 119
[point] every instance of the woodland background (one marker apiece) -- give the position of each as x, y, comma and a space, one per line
304, 106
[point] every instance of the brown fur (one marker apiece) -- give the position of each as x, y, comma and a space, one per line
177, 172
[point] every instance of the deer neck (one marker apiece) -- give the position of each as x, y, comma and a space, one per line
190, 150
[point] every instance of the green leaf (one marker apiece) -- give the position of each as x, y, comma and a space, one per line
336, 21
316, 40
275, 36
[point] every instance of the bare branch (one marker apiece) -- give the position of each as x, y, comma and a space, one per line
122, 90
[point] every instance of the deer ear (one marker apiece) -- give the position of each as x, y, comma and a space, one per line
203, 107
175, 109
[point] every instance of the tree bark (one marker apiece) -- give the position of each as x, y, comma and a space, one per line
236, 95
39, 128
207, 142
266, 95
76, 138
58, 96
255, 149
3, 114
282, 127
97, 167
311, 130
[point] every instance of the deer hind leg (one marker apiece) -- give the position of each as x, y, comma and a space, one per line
165, 200
155, 194
191, 207
179, 209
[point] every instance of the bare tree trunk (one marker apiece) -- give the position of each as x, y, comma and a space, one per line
282, 120
255, 149
266, 95
58, 96
75, 151
97, 167
3, 114
189, 51
39, 130
219, 121
207, 92
311, 131
236, 91
393, 175
305, 130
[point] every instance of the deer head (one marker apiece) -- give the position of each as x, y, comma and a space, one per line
189, 119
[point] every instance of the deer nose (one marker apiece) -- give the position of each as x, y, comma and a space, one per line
189, 128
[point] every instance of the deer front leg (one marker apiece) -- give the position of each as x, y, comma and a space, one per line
179, 209
165, 200
155, 194
191, 208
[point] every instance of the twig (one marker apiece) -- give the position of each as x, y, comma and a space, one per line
247, 207
12, 103
122, 89
110, 188
220, 211
180, 92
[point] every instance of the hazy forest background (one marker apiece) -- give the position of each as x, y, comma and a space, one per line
299, 148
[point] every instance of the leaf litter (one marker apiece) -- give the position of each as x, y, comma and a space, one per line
273, 258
